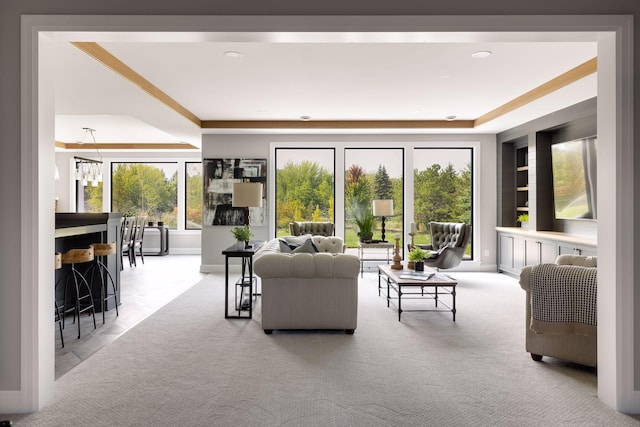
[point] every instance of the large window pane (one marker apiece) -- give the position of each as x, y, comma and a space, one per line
148, 189
89, 190
89, 198
193, 196
443, 188
373, 174
304, 186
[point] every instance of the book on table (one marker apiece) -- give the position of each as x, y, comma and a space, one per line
417, 275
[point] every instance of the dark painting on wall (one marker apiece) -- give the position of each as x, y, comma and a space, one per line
219, 177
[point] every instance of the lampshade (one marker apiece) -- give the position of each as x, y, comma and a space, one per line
247, 195
383, 207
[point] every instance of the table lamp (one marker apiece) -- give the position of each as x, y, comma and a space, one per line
383, 208
247, 195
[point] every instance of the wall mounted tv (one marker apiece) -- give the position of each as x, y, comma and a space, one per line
574, 169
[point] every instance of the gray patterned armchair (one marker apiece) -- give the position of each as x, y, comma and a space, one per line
448, 242
313, 228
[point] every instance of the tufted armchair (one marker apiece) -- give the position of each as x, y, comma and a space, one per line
313, 228
561, 309
448, 243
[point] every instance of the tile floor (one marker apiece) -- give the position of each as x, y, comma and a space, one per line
144, 289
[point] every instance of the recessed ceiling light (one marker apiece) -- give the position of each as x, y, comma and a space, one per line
262, 112
450, 118
305, 118
481, 54
233, 54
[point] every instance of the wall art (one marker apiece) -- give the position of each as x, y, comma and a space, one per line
219, 177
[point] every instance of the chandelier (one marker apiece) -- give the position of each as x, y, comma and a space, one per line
88, 169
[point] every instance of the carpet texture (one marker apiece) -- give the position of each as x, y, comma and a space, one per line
186, 365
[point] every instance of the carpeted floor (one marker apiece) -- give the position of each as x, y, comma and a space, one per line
187, 366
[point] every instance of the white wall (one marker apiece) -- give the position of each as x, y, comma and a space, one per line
217, 238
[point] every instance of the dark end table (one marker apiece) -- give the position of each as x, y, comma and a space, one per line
245, 283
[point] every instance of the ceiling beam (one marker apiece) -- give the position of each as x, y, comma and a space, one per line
103, 56
337, 124
571, 76
126, 146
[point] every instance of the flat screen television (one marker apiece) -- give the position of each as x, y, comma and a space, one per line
574, 169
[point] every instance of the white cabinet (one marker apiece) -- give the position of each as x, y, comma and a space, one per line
517, 248
538, 251
511, 250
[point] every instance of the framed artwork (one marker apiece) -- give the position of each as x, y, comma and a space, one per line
219, 177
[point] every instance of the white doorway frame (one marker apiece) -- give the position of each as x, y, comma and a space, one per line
616, 372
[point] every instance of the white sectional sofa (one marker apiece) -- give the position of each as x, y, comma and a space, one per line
308, 290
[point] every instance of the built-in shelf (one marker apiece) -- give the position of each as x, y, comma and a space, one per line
522, 179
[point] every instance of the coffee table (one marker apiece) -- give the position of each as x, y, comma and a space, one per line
434, 287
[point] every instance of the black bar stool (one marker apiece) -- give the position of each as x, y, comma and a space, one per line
57, 315
77, 302
101, 251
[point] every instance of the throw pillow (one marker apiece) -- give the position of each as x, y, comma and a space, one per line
306, 247
286, 248
297, 240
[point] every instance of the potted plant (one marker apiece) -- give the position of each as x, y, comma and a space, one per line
366, 223
242, 235
417, 256
523, 219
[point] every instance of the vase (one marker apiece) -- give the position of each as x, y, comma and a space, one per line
419, 265
240, 245
365, 237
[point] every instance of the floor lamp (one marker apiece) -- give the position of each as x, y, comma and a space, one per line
383, 208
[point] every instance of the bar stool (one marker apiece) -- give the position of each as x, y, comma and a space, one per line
101, 251
73, 257
57, 316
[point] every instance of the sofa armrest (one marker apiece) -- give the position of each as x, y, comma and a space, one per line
427, 247
580, 260
525, 278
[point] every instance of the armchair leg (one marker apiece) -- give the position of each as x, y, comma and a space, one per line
536, 357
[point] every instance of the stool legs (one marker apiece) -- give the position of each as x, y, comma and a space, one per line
78, 307
101, 269
58, 320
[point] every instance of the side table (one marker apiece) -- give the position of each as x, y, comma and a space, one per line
245, 283
362, 246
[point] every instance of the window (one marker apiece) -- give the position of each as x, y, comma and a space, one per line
373, 174
88, 198
89, 191
193, 196
443, 188
305, 188
148, 189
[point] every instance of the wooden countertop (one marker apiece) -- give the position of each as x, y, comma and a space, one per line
79, 230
